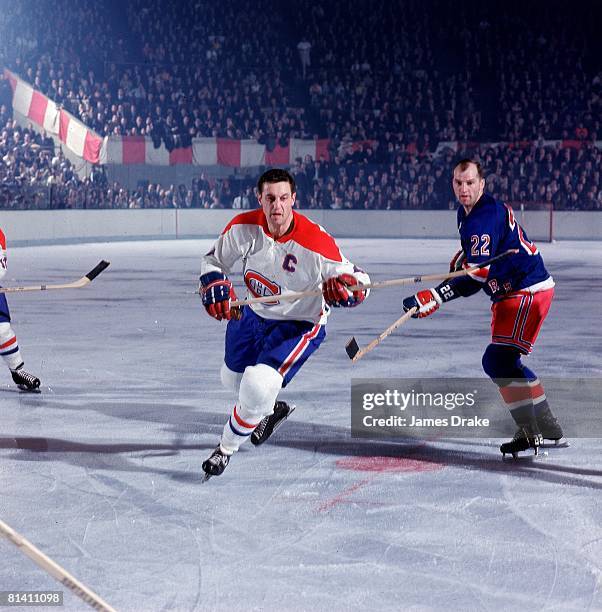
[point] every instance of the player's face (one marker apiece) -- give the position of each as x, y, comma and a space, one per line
468, 187
277, 202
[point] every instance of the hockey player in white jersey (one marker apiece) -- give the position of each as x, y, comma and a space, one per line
281, 251
9, 348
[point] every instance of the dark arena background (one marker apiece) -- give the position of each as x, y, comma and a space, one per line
133, 132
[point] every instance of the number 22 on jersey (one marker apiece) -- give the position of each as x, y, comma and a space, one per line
479, 245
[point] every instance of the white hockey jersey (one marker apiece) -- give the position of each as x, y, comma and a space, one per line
298, 261
2, 254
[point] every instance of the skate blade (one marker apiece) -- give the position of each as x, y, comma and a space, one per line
14, 389
206, 477
525, 455
283, 420
562, 443
26, 390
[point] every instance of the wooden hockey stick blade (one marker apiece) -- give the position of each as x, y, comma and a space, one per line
81, 282
395, 282
54, 569
352, 347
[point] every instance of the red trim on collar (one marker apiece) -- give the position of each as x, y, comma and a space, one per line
305, 232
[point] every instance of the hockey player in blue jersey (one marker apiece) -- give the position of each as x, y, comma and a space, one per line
521, 290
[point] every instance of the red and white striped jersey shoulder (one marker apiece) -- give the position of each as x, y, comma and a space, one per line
306, 233
314, 237
299, 261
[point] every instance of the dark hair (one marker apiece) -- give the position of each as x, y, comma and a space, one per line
464, 163
275, 175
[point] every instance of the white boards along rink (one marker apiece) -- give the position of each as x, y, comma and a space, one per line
71, 226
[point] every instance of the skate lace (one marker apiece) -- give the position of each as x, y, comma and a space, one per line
26, 376
219, 458
534, 439
258, 432
21, 377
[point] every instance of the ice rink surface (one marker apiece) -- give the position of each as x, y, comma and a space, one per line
102, 470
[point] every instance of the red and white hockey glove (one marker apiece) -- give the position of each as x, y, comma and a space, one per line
426, 301
458, 261
216, 292
336, 294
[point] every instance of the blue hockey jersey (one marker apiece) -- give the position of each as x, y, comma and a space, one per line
488, 230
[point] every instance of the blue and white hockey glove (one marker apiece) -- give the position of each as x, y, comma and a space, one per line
336, 294
216, 293
428, 301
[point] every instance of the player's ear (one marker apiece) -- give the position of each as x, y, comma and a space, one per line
293, 198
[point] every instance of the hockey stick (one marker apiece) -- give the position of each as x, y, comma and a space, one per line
395, 282
355, 353
54, 569
82, 282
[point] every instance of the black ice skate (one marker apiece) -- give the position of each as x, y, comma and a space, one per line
216, 463
25, 381
523, 440
268, 425
550, 427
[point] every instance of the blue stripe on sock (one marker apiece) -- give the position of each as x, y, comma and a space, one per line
238, 433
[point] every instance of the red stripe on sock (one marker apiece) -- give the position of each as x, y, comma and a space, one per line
537, 391
515, 394
241, 422
7, 344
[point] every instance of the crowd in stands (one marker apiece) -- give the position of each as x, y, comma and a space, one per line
176, 70
29, 165
567, 178
386, 82
35, 174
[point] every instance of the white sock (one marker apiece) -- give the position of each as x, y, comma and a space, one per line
9, 347
259, 389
